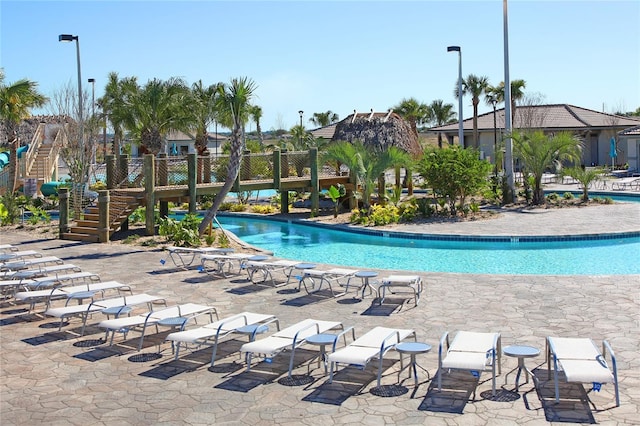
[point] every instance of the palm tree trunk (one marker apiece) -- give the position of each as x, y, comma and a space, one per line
232, 174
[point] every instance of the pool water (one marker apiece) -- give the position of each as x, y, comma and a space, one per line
618, 256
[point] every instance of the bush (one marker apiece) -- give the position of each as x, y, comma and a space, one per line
378, 215
263, 209
182, 233
37, 214
237, 207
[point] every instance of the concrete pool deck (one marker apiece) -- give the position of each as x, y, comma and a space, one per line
61, 378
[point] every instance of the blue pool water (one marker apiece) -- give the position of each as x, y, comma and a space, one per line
617, 256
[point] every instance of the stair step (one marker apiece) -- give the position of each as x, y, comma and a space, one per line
80, 237
84, 230
87, 223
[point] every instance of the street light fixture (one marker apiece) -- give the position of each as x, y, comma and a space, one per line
460, 124
301, 114
65, 38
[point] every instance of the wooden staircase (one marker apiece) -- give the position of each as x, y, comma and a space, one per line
122, 203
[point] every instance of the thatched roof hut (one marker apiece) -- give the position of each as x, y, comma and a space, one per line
378, 130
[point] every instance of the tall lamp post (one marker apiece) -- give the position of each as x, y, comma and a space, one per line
508, 158
301, 114
65, 38
93, 118
460, 125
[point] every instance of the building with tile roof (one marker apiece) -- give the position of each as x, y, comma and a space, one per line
593, 127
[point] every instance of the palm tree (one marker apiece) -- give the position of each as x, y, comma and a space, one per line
412, 111
539, 152
114, 105
233, 105
256, 114
16, 101
474, 86
440, 114
517, 93
203, 109
322, 119
366, 164
156, 109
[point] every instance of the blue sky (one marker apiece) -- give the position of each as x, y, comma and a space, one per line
334, 55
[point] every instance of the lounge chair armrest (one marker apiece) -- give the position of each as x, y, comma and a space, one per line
444, 341
295, 338
343, 333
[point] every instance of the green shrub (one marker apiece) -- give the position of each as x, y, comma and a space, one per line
37, 214
237, 207
568, 196
263, 209
181, 233
424, 207
408, 211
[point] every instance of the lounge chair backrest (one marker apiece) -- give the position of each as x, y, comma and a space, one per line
572, 348
382, 335
306, 328
467, 341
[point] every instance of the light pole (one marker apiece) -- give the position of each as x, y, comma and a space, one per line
301, 114
508, 156
460, 125
93, 118
65, 38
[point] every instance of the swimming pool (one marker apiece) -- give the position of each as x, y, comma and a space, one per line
495, 255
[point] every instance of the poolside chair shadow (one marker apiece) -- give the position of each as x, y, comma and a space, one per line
265, 372
347, 382
309, 299
204, 278
248, 289
457, 388
54, 336
99, 353
390, 306
574, 407
167, 370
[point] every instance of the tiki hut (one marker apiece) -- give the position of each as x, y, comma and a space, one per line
380, 131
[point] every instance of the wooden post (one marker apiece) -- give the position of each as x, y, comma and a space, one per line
123, 169
192, 165
110, 162
353, 180
284, 173
163, 180
103, 216
206, 165
409, 175
315, 180
381, 190
149, 193
63, 225
276, 169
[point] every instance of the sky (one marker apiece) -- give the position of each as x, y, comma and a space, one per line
317, 56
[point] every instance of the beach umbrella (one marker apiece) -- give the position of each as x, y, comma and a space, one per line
612, 152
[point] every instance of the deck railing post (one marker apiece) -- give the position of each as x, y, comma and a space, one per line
284, 173
206, 166
192, 165
276, 169
163, 180
149, 193
123, 169
103, 216
63, 222
315, 180
110, 163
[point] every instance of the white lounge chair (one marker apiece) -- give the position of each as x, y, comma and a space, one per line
470, 351
399, 283
78, 292
174, 316
183, 257
6, 248
63, 279
18, 255
373, 344
8, 288
581, 362
41, 271
289, 339
83, 311
248, 323
25, 263
338, 276
223, 263
269, 269
628, 183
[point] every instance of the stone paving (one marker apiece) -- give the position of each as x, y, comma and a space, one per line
62, 378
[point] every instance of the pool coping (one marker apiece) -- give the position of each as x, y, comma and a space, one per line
442, 237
